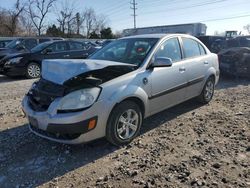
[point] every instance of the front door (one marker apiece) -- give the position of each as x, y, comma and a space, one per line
58, 50
168, 84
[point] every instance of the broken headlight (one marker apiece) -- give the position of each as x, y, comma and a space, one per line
79, 99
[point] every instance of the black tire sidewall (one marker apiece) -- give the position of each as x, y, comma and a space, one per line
111, 130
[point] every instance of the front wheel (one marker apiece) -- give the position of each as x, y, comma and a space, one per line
208, 91
33, 70
124, 123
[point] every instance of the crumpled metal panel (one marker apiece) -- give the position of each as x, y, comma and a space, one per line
60, 70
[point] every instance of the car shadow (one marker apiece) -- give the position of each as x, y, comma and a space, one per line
4, 79
29, 161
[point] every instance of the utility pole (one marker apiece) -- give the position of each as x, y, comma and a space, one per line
134, 4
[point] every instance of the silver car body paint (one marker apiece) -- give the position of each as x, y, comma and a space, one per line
159, 80
66, 69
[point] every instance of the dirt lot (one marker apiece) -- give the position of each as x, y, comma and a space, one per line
188, 145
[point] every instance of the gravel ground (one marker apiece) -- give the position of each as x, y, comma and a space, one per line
186, 146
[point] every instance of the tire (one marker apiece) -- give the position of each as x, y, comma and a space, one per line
208, 91
124, 123
33, 70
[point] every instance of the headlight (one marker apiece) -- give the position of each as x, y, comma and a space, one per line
79, 99
13, 60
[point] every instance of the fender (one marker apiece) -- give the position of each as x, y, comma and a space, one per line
124, 92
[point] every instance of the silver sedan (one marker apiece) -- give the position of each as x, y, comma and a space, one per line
109, 94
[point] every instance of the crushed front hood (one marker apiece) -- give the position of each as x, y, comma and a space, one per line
61, 70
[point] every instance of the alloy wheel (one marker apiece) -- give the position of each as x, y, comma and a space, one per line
209, 90
34, 70
127, 124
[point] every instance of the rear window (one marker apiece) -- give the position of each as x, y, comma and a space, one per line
202, 50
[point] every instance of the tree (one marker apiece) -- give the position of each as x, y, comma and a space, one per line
27, 25
106, 33
38, 10
93, 22
247, 27
90, 19
53, 31
93, 35
14, 16
65, 15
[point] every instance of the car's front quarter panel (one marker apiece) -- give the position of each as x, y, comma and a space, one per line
127, 86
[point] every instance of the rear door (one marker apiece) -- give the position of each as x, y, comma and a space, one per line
197, 64
168, 84
78, 50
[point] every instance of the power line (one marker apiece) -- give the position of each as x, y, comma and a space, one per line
134, 4
186, 7
226, 18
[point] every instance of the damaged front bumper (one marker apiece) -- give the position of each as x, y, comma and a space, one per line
68, 128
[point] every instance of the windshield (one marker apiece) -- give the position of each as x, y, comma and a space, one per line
14, 44
131, 51
40, 47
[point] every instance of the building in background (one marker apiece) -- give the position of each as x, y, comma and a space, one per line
195, 29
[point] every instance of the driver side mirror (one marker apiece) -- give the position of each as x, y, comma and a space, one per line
47, 51
161, 62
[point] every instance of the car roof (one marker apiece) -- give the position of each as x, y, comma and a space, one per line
159, 36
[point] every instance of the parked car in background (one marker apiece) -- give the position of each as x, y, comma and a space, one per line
21, 45
109, 94
104, 42
235, 60
4, 42
29, 63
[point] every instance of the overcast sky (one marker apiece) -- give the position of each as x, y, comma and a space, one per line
234, 14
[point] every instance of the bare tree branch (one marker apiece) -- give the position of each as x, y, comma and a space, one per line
38, 10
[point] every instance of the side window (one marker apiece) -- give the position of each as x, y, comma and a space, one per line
190, 47
77, 46
202, 50
169, 49
58, 47
30, 43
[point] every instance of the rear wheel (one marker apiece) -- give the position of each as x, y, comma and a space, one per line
208, 91
124, 123
33, 70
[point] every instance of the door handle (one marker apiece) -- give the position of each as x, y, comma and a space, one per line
182, 69
66, 55
205, 62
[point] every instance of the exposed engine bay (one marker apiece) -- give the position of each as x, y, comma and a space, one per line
44, 92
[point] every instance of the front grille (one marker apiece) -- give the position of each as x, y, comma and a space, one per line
43, 94
54, 135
